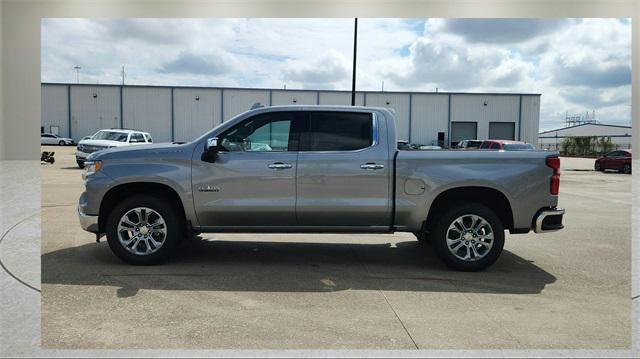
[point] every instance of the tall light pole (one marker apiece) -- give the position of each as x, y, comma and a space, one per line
77, 68
355, 48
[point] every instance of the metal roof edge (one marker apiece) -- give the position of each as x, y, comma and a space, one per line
584, 124
285, 90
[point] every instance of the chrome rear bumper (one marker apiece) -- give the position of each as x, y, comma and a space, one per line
548, 220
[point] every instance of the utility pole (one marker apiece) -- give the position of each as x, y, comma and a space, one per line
355, 48
382, 86
77, 68
122, 75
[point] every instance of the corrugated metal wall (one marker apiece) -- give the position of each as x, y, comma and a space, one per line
55, 108
94, 108
148, 109
294, 98
239, 101
196, 111
484, 109
397, 101
429, 115
530, 120
420, 116
340, 98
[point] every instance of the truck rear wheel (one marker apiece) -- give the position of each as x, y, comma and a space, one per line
144, 230
468, 236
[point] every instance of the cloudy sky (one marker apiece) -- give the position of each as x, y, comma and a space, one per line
577, 65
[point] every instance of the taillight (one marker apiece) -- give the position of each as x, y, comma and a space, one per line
554, 162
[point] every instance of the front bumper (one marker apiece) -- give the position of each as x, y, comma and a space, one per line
88, 222
548, 220
81, 156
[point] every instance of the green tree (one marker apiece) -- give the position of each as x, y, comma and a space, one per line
605, 145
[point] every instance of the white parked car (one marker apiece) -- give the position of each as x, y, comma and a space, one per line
109, 138
429, 147
51, 139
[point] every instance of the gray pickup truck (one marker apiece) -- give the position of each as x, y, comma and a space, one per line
328, 169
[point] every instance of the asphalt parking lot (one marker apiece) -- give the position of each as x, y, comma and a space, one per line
568, 289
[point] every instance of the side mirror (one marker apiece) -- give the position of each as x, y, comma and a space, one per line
211, 145
211, 149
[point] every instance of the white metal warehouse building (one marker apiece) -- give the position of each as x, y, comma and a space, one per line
620, 135
174, 113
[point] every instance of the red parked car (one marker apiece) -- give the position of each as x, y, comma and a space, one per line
619, 160
506, 145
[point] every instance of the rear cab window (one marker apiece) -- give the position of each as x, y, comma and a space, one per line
338, 131
136, 138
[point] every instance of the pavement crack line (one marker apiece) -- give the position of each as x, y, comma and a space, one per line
466, 296
57, 205
2, 263
366, 269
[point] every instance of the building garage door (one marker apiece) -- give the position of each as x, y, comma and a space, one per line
463, 131
502, 130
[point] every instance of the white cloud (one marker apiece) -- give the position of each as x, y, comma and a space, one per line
576, 64
330, 70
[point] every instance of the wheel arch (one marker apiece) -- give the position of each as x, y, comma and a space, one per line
119, 192
487, 196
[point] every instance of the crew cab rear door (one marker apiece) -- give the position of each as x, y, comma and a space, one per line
344, 171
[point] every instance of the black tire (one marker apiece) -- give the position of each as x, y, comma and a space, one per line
448, 216
627, 169
61, 143
173, 220
80, 164
598, 167
422, 237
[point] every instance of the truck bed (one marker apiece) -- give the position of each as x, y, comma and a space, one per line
422, 176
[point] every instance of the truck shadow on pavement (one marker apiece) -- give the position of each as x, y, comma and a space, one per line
224, 265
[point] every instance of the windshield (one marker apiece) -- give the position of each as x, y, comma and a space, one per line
110, 136
518, 146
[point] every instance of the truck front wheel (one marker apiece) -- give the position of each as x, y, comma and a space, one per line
468, 236
144, 230
422, 237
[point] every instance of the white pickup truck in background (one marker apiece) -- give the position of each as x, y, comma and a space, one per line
109, 138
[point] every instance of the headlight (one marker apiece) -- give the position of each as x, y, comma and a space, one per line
91, 167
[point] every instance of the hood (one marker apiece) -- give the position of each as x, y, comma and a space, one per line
139, 151
104, 143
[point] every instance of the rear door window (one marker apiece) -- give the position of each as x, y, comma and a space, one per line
136, 138
485, 145
338, 131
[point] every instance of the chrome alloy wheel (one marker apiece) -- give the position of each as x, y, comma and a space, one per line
142, 231
469, 238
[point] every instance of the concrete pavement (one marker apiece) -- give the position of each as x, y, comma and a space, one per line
569, 289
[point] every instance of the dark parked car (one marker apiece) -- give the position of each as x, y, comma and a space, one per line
616, 160
506, 145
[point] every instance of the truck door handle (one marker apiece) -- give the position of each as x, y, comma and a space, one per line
279, 165
371, 166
